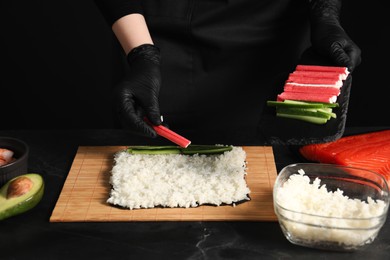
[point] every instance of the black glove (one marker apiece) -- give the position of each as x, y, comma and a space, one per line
136, 97
328, 37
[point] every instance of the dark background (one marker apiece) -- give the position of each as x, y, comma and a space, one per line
59, 62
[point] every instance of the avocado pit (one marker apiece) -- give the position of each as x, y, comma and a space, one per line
19, 187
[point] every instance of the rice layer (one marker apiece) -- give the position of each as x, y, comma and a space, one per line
176, 180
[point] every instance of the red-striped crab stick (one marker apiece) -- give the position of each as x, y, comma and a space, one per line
170, 135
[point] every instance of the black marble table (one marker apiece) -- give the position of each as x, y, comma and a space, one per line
32, 236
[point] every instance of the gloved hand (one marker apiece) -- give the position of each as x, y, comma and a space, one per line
136, 96
329, 38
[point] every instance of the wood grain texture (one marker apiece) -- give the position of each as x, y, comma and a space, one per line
87, 188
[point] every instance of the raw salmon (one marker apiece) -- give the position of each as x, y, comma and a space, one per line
6, 156
369, 151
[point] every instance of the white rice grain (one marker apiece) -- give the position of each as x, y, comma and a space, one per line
176, 180
312, 213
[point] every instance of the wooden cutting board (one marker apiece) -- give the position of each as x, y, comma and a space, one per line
86, 190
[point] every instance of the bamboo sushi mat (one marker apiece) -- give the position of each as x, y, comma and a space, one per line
86, 190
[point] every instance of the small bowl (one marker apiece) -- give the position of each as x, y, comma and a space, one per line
330, 207
18, 166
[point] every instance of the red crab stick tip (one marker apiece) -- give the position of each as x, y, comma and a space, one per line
172, 136
169, 134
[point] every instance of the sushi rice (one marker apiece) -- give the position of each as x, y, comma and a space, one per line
177, 180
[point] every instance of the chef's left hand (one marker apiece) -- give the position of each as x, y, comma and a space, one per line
329, 39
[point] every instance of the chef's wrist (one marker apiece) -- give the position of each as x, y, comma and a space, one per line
132, 31
147, 51
325, 12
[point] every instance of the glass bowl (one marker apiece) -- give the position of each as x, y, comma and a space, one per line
20, 154
330, 207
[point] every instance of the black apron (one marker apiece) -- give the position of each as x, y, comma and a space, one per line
222, 59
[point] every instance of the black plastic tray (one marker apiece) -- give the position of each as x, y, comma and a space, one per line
276, 130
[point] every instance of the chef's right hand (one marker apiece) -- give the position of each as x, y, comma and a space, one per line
330, 39
136, 97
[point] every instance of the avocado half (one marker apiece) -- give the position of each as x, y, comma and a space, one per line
20, 194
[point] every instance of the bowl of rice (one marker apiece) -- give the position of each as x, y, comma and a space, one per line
330, 207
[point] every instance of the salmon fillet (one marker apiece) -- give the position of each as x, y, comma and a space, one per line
369, 151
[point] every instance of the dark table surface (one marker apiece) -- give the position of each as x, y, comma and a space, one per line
32, 236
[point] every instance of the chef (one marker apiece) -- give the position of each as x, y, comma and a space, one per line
210, 65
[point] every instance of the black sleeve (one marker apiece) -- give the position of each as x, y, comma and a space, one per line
112, 10
325, 9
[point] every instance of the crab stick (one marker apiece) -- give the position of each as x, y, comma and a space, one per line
169, 134
325, 98
342, 70
172, 136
